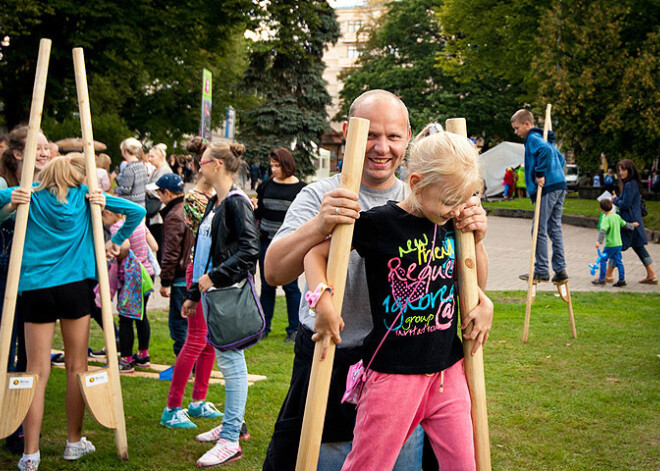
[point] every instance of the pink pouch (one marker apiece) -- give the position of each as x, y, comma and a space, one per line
355, 380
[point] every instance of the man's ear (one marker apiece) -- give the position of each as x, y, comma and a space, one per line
344, 129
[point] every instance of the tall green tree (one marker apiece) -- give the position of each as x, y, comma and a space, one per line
144, 62
285, 75
403, 55
604, 81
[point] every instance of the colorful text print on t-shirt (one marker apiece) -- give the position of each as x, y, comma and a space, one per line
425, 304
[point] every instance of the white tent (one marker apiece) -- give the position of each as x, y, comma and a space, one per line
495, 161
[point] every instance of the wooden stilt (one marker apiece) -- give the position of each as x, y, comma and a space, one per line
101, 390
340, 247
17, 389
468, 290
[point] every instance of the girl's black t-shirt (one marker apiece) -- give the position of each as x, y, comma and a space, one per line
407, 272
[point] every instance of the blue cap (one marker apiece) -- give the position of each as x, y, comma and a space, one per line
170, 181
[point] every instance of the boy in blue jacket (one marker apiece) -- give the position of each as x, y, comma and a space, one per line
544, 167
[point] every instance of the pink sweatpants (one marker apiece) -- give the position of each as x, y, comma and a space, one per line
195, 350
392, 405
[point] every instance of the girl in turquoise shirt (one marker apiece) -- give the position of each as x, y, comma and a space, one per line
58, 273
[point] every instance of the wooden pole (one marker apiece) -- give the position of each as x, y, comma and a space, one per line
17, 389
88, 381
547, 127
468, 292
340, 248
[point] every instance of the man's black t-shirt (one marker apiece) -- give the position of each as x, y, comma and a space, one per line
405, 275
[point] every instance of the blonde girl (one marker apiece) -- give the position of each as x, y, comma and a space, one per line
58, 274
416, 376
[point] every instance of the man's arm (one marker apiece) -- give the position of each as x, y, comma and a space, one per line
286, 254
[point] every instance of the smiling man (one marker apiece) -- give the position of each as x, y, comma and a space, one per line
310, 219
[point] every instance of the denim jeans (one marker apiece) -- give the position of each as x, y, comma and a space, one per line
234, 370
333, 455
552, 207
267, 298
613, 257
177, 324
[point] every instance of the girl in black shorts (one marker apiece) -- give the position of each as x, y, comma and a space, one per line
58, 273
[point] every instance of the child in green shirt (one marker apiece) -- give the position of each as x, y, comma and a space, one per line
610, 233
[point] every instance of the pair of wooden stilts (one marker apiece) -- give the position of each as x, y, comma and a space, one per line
532, 284
101, 390
317, 396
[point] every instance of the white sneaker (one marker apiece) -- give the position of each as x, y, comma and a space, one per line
25, 464
72, 453
213, 435
223, 452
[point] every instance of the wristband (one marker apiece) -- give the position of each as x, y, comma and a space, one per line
312, 298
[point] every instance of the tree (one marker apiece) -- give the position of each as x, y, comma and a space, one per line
403, 55
285, 74
144, 62
603, 80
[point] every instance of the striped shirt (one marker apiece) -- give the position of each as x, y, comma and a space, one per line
274, 200
138, 241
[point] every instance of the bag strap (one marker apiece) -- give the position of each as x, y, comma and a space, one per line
435, 233
229, 195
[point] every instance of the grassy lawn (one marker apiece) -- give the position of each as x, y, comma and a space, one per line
575, 206
556, 403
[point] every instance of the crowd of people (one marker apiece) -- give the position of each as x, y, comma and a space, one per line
399, 316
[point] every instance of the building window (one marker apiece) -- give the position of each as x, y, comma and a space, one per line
353, 52
354, 26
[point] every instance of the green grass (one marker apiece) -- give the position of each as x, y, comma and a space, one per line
556, 403
575, 206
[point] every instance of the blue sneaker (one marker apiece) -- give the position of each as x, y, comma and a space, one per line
176, 418
205, 410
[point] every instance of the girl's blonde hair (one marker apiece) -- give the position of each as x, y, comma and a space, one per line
62, 173
230, 154
444, 159
133, 147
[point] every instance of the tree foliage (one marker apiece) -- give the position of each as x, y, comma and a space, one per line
403, 55
285, 74
596, 61
604, 81
144, 62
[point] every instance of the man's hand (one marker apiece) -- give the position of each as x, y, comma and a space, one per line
473, 218
540, 181
339, 206
205, 283
165, 291
481, 318
189, 308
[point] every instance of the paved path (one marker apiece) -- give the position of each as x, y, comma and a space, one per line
509, 243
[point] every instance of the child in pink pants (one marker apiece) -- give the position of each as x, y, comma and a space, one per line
413, 354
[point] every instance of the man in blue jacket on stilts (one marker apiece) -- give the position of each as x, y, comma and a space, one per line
544, 167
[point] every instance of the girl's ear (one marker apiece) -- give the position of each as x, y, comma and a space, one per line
18, 155
413, 180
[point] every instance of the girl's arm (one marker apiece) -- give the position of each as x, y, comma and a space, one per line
151, 241
482, 320
134, 215
328, 322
